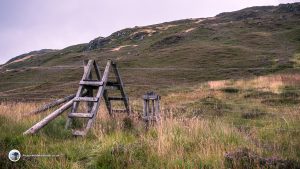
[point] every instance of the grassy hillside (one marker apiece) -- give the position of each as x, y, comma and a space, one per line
230, 45
230, 88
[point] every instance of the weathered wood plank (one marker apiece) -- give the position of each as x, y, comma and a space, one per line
79, 132
51, 105
119, 80
49, 118
81, 115
97, 70
90, 94
86, 99
91, 83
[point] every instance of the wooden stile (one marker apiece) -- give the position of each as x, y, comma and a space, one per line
85, 94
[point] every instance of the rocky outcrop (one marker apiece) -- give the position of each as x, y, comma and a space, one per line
123, 34
289, 8
104, 41
97, 43
263, 11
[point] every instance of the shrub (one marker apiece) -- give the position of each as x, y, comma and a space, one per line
230, 90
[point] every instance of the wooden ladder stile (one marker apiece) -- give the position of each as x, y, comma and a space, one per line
93, 102
85, 93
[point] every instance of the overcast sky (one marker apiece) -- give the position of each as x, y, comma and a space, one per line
27, 25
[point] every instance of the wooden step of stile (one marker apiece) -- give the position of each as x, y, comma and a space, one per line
91, 83
81, 115
86, 99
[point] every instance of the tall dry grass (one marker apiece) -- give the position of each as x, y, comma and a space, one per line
17, 111
272, 83
177, 141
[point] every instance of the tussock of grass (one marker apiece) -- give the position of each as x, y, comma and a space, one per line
253, 114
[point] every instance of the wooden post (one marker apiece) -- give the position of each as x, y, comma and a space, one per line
119, 80
90, 94
157, 109
146, 113
49, 118
151, 108
144, 107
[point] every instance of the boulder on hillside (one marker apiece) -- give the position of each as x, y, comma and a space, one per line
289, 8
173, 39
97, 43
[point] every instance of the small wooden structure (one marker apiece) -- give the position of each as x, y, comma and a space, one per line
88, 86
151, 109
